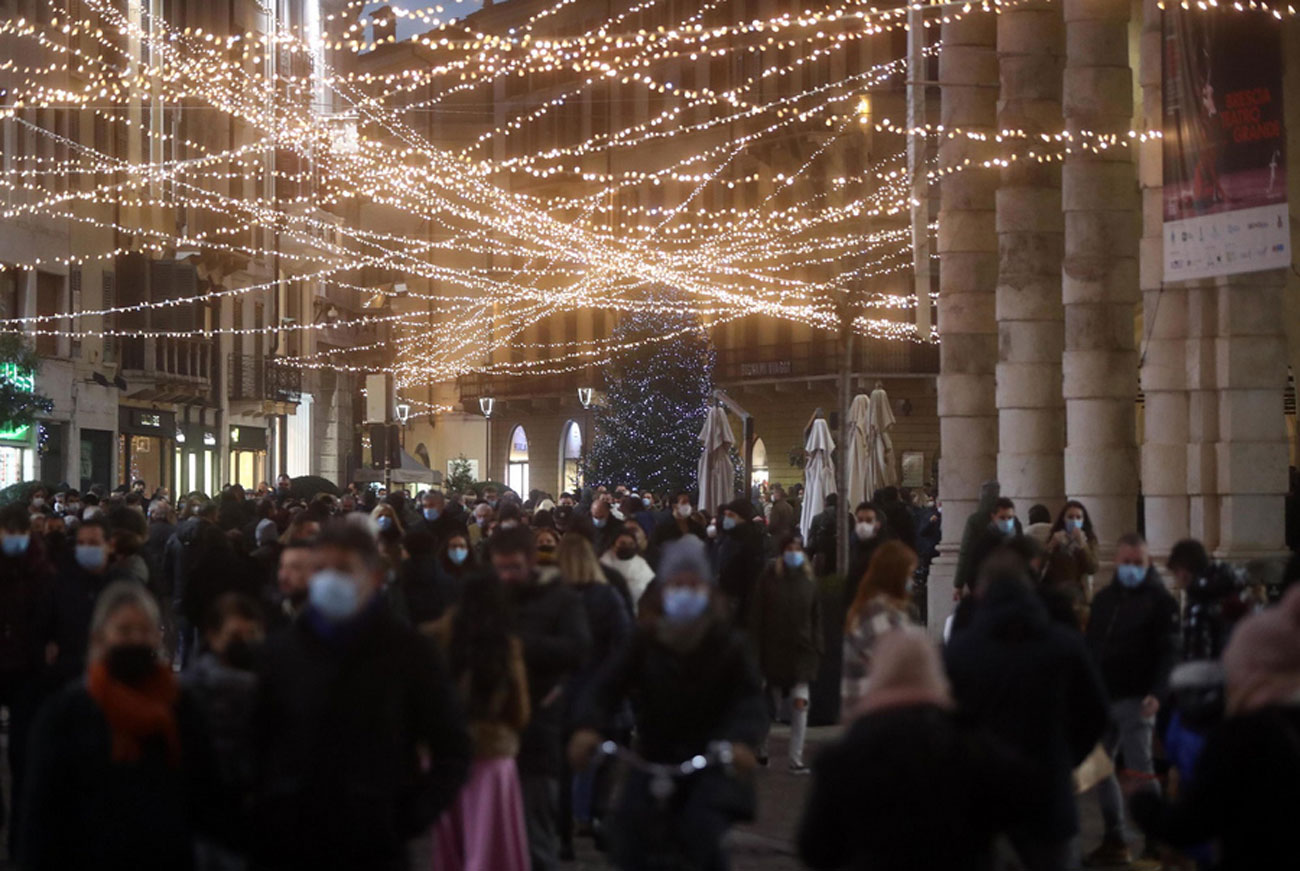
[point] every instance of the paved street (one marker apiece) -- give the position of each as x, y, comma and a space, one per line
768, 843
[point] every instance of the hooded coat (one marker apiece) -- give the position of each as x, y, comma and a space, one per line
1032, 684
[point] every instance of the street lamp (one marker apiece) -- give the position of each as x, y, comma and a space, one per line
403, 411
485, 404
584, 399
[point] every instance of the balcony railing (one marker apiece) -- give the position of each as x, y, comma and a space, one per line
168, 357
795, 360
262, 378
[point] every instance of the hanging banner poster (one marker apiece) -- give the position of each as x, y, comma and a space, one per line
1225, 209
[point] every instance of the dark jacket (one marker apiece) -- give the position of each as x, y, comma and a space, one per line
668, 530
906, 788
785, 624
1246, 793
609, 618
155, 546
1133, 636
985, 544
740, 562
860, 553
26, 600
976, 525
84, 811
898, 516
552, 624
447, 525
823, 532
683, 699
359, 739
75, 593
1031, 683
429, 589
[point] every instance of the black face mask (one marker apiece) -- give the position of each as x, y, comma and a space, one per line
241, 654
625, 552
131, 663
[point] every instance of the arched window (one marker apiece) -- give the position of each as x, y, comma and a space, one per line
570, 457
517, 462
758, 464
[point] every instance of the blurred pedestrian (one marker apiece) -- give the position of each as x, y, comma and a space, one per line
880, 606
785, 625
1246, 793
1031, 684
1132, 634
118, 770
1071, 558
906, 788
484, 829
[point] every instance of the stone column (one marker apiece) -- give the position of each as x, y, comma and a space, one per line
1100, 271
968, 264
1164, 323
1031, 237
1252, 452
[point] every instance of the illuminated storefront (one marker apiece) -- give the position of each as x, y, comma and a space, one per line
146, 446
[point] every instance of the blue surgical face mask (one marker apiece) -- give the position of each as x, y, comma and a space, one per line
431, 514
1073, 525
1008, 526
91, 557
793, 558
645, 500
457, 555
684, 604
15, 544
599, 522
1129, 575
384, 521
334, 594
728, 522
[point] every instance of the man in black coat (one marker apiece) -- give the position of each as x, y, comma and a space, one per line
437, 519
1032, 684
740, 556
1133, 636
359, 737
76, 588
552, 624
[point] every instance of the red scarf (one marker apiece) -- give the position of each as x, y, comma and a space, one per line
135, 713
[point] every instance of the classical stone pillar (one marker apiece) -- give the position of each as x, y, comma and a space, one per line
1252, 452
968, 263
1031, 237
1164, 321
1100, 270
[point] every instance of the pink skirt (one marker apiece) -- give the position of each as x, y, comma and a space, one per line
484, 829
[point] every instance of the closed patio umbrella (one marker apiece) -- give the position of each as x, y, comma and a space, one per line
884, 471
717, 476
818, 473
861, 481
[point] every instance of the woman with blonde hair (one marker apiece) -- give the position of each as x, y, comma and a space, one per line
882, 604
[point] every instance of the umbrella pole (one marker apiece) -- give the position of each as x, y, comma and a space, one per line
845, 510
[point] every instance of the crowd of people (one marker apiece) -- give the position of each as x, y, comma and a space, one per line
373, 680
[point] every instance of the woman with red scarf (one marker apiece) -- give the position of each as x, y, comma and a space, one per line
112, 768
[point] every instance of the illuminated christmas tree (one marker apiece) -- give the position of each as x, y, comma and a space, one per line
658, 393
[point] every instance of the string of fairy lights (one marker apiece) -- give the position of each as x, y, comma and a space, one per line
474, 186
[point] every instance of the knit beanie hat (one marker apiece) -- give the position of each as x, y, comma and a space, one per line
742, 507
685, 556
1262, 661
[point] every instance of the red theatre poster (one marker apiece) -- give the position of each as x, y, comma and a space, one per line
1224, 150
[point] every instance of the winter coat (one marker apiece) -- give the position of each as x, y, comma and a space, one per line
429, 589
359, 739
906, 789
75, 593
684, 699
822, 535
860, 553
668, 530
26, 600
224, 696
1069, 564
1133, 636
898, 518
880, 615
610, 622
781, 519
785, 624
740, 562
635, 572
1246, 793
986, 543
1032, 684
552, 624
85, 812
976, 525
